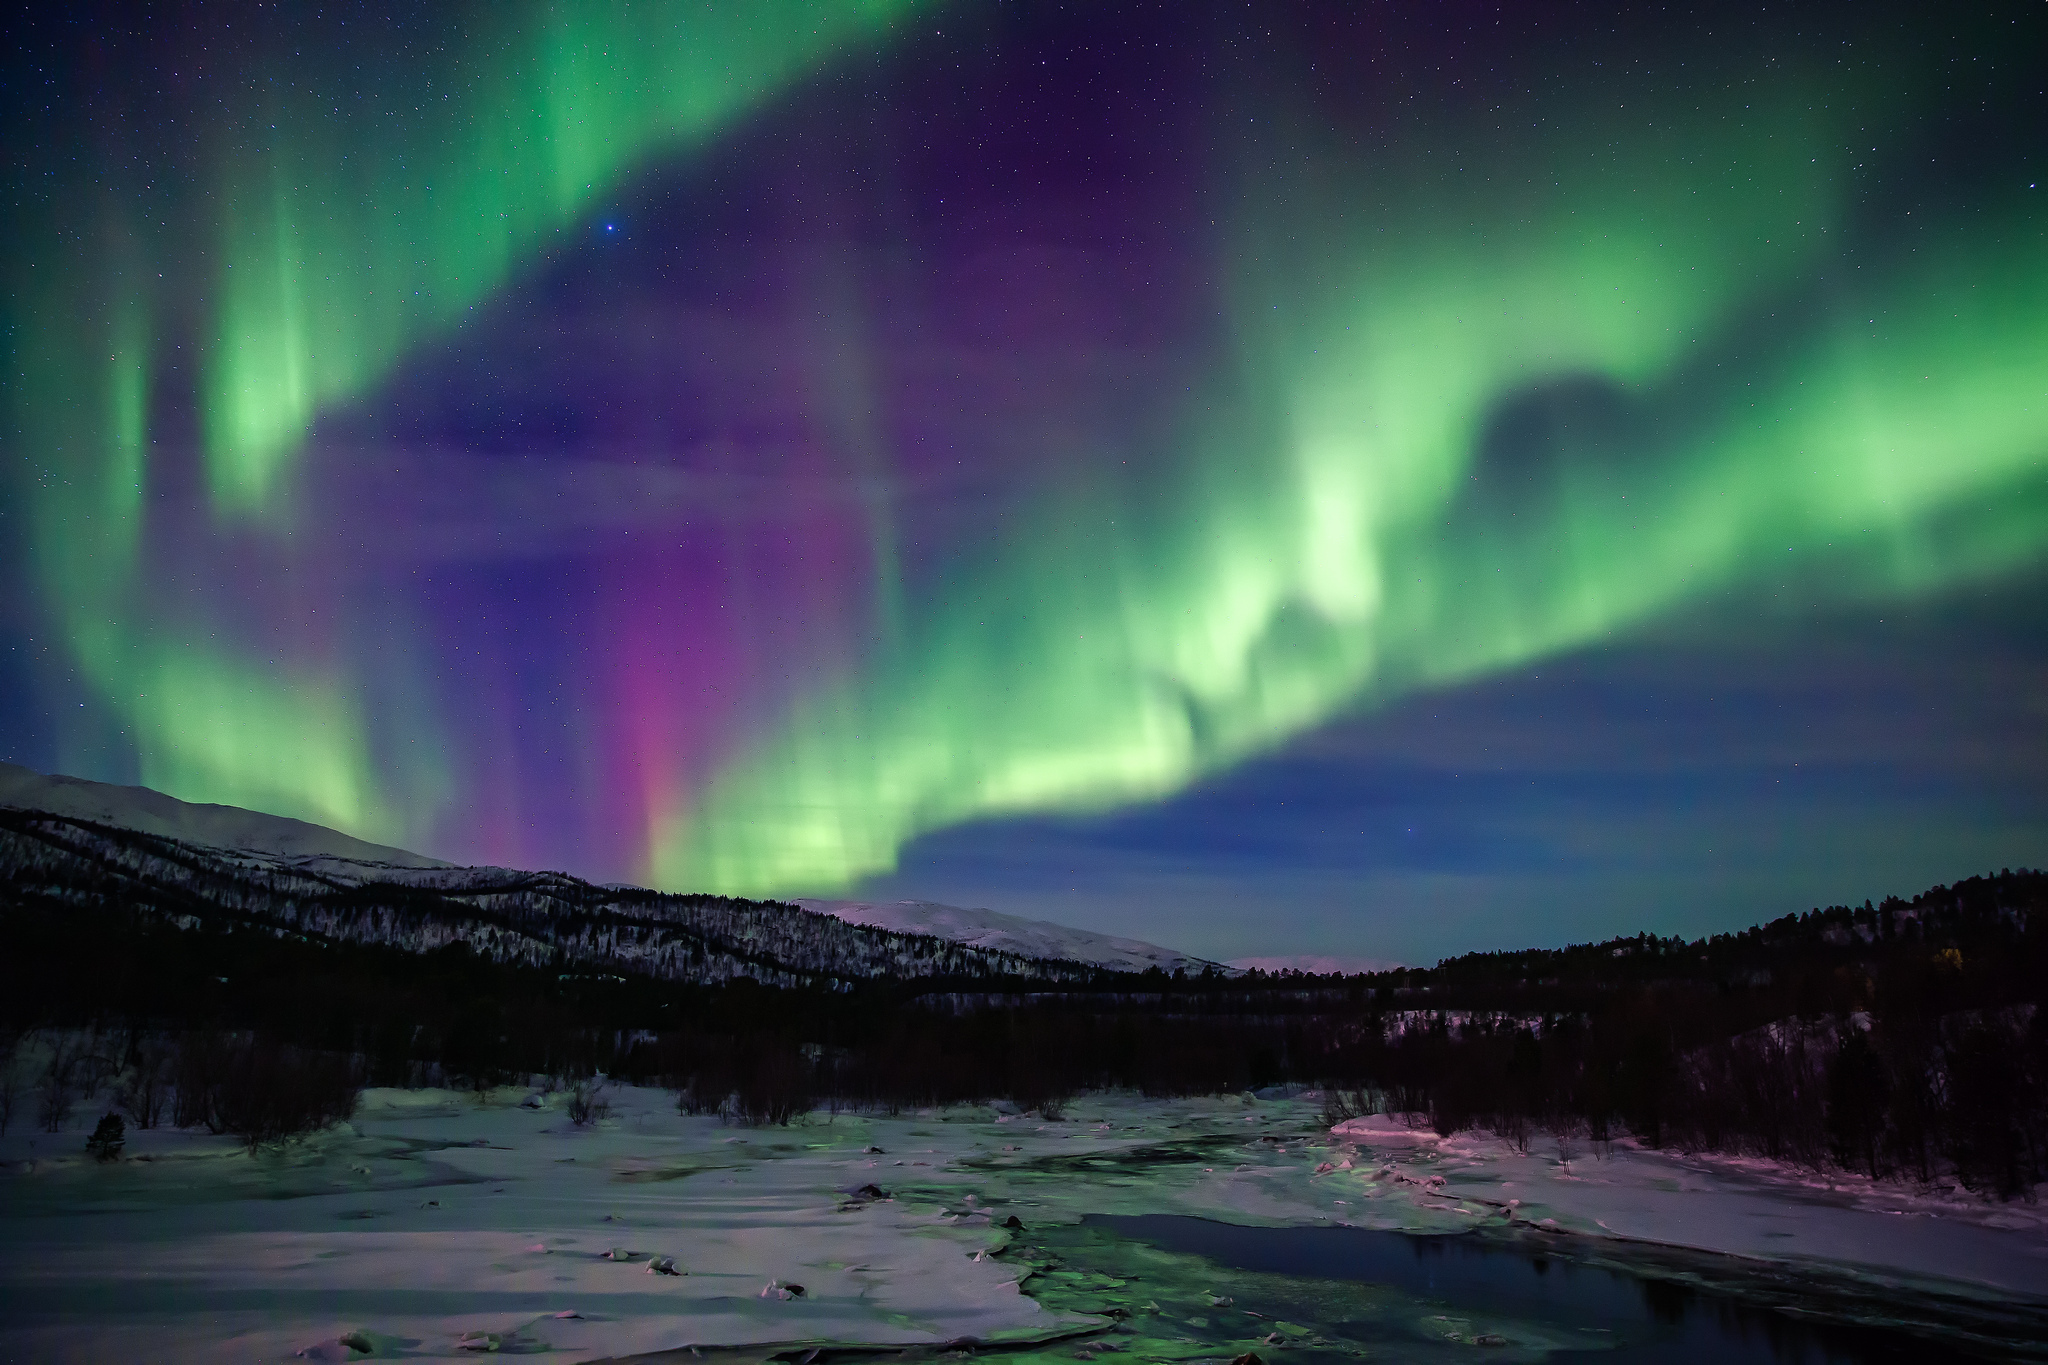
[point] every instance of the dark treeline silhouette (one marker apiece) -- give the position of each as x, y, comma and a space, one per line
1901, 1040
1904, 1039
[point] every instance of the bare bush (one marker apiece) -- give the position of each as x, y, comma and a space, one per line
775, 1089
1567, 1133
260, 1090
145, 1092
587, 1103
57, 1088
10, 1089
1361, 1101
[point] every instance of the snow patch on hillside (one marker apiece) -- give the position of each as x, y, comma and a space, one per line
1008, 933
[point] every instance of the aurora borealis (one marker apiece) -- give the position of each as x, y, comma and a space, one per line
722, 446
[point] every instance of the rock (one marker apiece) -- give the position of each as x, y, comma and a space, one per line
479, 1341
618, 1254
663, 1265
1014, 1222
1489, 1339
870, 1192
1248, 1358
873, 1151
776, 1289
1325, 1168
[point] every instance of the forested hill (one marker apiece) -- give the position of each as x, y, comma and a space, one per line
55, 865
1998, 917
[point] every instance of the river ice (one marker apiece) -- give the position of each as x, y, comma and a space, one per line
439, 1224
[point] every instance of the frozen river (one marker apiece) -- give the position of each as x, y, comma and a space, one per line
441, 1225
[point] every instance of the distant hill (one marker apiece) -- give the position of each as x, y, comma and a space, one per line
152, 812
1010, 934
1982, 918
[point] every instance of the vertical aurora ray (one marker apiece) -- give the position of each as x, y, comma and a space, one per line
333, 264
1870, 424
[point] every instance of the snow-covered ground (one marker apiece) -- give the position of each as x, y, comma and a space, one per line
437, 1214
1009, 933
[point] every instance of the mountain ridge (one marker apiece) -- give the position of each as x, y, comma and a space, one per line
282, 847
148, 811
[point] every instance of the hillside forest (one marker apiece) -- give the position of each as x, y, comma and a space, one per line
172, 983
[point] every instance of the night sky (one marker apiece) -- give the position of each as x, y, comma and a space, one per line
1360, 479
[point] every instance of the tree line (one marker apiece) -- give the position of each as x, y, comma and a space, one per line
1904, 1040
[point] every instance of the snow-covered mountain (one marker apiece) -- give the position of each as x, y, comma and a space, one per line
227, 827
1009, 934
292, 876
57, 867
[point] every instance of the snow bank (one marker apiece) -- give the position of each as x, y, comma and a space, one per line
1729, 1205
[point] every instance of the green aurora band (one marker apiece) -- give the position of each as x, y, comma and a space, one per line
1860, 419
1787, 401
328, 266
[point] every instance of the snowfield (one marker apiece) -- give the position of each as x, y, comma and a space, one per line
439, 1224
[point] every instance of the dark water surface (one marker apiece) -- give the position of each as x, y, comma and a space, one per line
1352, 1292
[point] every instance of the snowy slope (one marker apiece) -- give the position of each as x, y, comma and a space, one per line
1008, 933
152, 812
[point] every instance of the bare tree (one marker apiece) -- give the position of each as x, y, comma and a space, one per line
146, 1091
56, 1086
1567, 1131
10, 1090
96, 1062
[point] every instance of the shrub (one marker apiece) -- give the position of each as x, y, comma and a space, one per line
261, 1090
587, 1103
107, 1139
